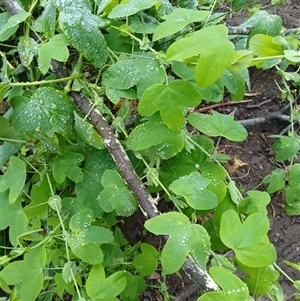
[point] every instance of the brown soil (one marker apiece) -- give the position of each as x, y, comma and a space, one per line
255, 151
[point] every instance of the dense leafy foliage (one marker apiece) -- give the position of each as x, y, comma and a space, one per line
151, 64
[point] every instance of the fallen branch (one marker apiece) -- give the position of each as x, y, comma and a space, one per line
144, 198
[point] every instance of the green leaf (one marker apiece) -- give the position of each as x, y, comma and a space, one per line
215, 49
196, 44
67, 166
8, 213
216, 174
177, 20
233, 288
172, 101
62, 286
253, 251
260, 280
146, 262
276, 292
6, 34
28, 272
130, 8
39, 196
4, 87
135, 286
87, 133
256, 202
262, 45
212, 63
184, 238
185, 162
212, 93
142, 72
15, 20
241, 59
276, 180
115, 195
6, 131
56, 48
68, 271
27, 49
80, 27
7, 150
89, 189
285, 146
263, 22
154, 133
45, 23
294, 174
99, 288
14, 178
218, 124
193, 188
293, 200
85, 239
48, 111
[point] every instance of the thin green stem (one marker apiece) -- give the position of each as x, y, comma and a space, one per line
12, 140
45, 82
64, 231
264, 58
284, 273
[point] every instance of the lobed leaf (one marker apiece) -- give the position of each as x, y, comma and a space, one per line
115, 195
154, 133
215, 49
28, 272
67, 166
193, 188
233, 288
8, 213
259, 280
47, 112
89, 188
146, 262
45, 23
184, 238
248, 239
171, 100
85, 239
218, 124
276, 180
56, 48
100, 288
14, 179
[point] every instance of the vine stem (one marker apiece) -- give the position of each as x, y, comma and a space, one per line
46, 82
65, 233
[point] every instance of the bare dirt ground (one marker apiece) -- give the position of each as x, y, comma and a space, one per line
255, 152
